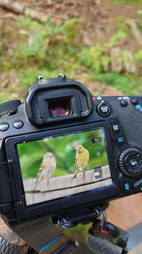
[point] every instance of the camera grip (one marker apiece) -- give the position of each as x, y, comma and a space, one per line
8, 248
103, 246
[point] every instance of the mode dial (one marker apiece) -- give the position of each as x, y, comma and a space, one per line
130, 162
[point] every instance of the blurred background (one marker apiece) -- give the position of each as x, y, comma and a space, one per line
96, 42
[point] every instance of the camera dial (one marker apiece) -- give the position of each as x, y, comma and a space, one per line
130, 162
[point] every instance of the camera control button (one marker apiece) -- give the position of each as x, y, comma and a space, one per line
123, 103
120, 140
133, 163
134, 101
130, 162
115, 127
103, 109
4, 126
126, 186
18, 124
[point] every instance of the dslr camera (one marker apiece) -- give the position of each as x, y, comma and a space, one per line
63, 151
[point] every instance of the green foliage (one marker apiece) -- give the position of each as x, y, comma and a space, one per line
4, 96
55, 48
29, 76
139, 11
121, 24
0, 47
115, 40
45, 40
139, 25
127, 2
80, 230
138, 57
97, 58
129, 84
91, 58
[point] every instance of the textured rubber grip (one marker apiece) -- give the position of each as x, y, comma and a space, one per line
42, 233
8, 106
103, 246
37, 233
8, 248
83, 249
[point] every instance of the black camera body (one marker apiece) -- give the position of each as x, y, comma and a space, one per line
59, 118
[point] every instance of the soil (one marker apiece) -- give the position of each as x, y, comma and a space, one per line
98, 22
97, 18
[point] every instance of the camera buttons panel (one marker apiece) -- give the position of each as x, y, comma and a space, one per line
137, 103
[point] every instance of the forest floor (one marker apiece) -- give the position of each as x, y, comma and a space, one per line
97, 22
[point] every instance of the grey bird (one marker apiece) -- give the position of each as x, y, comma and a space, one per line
47, 168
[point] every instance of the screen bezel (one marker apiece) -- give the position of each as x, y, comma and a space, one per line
56, 206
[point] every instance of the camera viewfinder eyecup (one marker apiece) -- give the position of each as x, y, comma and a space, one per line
57, 100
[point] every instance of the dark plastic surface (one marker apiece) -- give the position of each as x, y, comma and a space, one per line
40, 96
8, 106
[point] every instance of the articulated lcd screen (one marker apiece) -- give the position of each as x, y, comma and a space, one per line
57, 167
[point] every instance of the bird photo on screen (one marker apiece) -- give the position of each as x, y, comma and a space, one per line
81, 159
47, 168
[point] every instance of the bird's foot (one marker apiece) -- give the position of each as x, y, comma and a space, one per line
74, 176
84, 172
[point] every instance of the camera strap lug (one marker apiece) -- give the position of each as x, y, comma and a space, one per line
107, 238
64, 224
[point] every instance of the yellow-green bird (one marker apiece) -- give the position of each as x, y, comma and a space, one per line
81, 159
47, 168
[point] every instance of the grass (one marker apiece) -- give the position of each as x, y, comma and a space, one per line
49, 49
128, 84
127, 2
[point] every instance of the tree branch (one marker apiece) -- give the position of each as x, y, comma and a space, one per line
133, 25
21, 9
